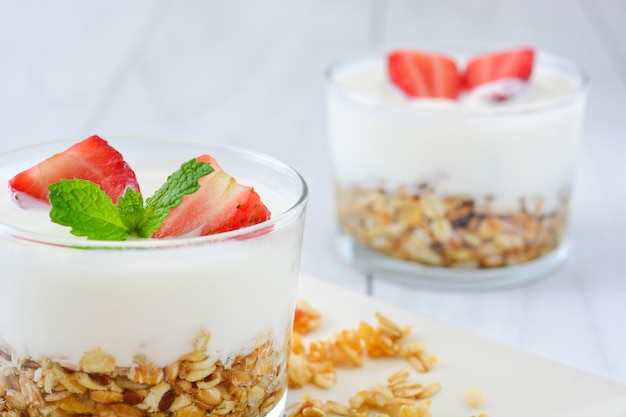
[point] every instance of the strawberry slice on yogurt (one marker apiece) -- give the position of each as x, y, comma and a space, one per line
499, 76
92, 159
421, 74
220, 205
195, 200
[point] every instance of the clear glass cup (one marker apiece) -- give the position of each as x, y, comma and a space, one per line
199, 324
448, 194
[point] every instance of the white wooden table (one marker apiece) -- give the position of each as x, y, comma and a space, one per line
251, 73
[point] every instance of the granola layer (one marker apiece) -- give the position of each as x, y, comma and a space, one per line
449, 230
193, 386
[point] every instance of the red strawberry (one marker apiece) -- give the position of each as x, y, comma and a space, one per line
509, 64
421, 74
92, 159
221, 204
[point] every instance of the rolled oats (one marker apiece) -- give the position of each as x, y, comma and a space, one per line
316, 363
449, 230
306, 318
15, 400
97, 361
106, 397
399, 398
473, 397
193, 386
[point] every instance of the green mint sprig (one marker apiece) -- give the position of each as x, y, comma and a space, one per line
90, 212
87, 209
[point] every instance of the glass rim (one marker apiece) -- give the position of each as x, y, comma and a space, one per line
450, 48
277, 221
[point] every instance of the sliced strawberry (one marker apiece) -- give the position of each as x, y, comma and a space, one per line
92, 159
510, 64
211, 161
421, 74
221, 204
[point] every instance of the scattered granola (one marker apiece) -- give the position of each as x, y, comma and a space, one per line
316, 364
474, 397
193, 386
453, 231
306, 318
399, 398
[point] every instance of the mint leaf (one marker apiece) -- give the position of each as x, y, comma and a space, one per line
86, 208
170, 195
83, 206
131, 210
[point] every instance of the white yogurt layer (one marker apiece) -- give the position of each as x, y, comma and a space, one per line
61, 302
522, 148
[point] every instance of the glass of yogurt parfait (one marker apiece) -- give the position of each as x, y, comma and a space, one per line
463, 190
179, 326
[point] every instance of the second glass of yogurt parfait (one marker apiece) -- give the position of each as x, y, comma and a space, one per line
189, 326
466, 193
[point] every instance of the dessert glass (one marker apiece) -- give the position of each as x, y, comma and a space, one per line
187, 326
453, 194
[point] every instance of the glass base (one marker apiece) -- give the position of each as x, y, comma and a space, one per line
279, 408
411, 273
